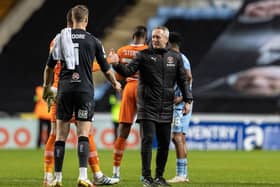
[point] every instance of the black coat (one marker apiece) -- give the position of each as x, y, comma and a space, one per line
159, 70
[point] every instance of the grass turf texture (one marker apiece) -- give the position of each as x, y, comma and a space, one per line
24, 168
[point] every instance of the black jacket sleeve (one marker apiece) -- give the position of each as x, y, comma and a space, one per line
131, 68
183, 83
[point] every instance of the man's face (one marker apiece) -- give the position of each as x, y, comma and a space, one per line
264, 81
159, 39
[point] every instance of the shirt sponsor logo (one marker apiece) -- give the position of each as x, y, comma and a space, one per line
82, 114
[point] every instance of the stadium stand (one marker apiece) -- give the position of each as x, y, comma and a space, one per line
199, 26
23, 58
238, 50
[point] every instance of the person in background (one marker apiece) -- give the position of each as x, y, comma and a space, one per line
159, 69
128, 103
41, 113
115, 102
180, 121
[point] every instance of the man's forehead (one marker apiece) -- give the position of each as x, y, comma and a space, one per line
157, 32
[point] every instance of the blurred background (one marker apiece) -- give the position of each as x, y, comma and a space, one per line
233, 47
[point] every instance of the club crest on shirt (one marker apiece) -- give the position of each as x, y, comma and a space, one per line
75, 77
170, 61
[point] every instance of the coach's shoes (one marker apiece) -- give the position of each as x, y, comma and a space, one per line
84, 183
148, 182
160, 181
56, 183
178, 179
104, 180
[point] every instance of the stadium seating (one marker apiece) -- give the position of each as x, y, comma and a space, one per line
24, 57
199, 26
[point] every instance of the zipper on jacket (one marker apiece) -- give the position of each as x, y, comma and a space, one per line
162, 88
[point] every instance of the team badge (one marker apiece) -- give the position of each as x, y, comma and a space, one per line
170, 60
75, 76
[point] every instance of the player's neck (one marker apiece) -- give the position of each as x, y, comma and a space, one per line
79, 26
138, 41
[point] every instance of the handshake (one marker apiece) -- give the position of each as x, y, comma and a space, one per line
49, 95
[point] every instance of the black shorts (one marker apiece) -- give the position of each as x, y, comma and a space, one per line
79, 103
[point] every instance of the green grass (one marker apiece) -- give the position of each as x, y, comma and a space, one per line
24, 168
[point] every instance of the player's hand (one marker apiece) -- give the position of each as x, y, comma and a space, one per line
50, 100
49, 96
117, 86
186, 108
113, 57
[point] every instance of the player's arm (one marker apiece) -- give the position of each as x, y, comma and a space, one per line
48, 77
110, 76
105, 68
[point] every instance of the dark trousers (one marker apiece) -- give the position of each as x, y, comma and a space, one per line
116, 126
162, 131
43, 132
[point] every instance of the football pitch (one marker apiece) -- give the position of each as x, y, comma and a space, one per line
24, 168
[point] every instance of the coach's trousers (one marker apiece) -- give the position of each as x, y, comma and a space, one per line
162, 131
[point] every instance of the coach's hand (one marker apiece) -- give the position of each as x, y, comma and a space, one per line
117, 86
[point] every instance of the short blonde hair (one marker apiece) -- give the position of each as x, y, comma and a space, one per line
80, 13
164, 29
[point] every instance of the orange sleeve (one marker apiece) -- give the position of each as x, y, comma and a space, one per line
95, 67
119, 76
